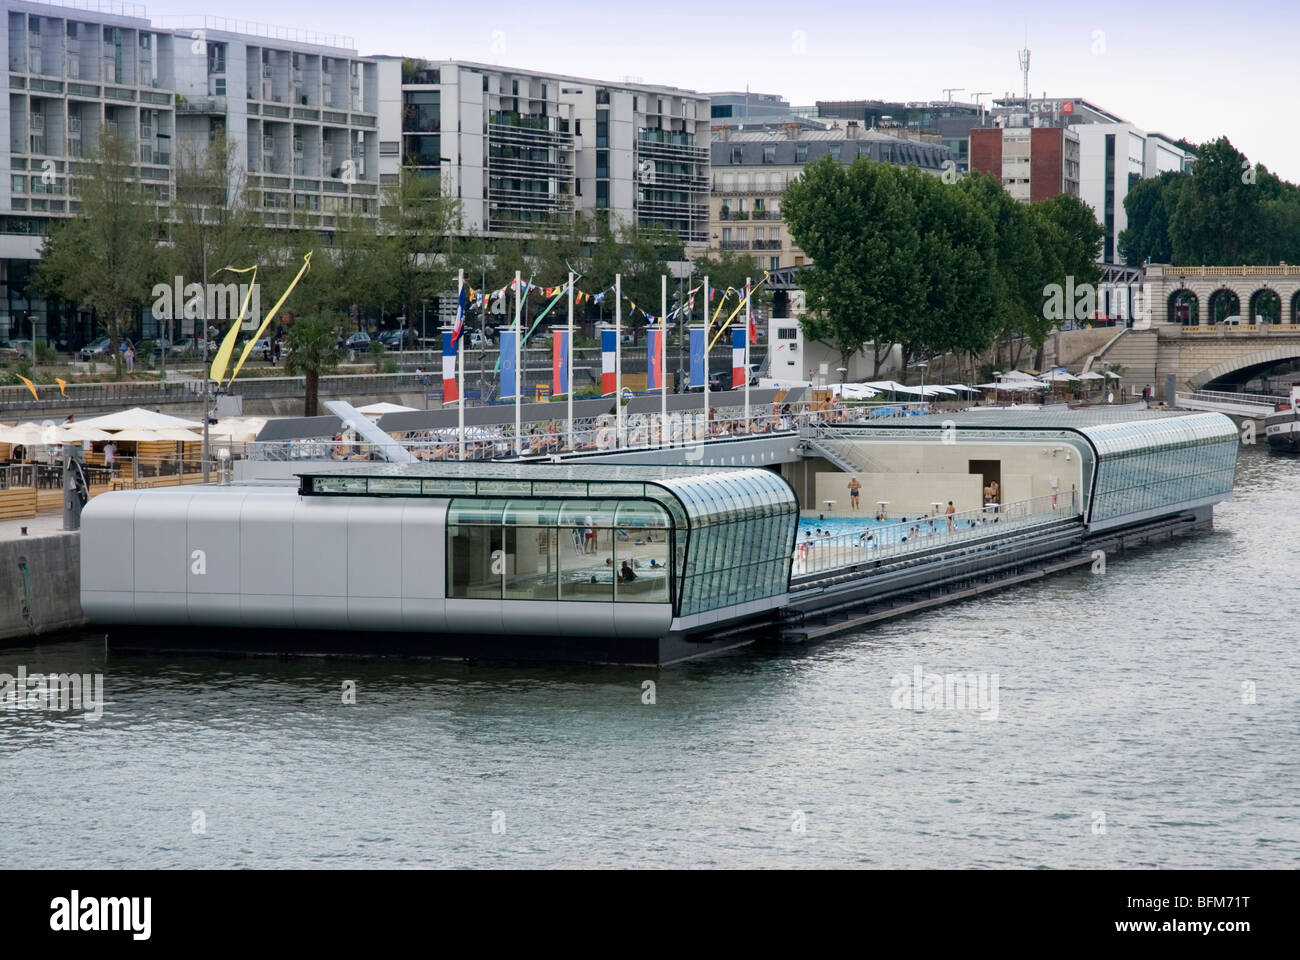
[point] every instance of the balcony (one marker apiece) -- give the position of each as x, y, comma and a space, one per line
766, 215
37, 123
202, 105
767, 244
734, 245
728, 214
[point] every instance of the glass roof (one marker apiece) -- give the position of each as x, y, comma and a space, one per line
708, 494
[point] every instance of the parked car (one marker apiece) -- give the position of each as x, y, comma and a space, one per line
101, 347
478, 339
191, 346
12, 351
359, 341
399, 339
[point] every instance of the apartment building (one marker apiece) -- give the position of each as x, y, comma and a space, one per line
1033, 149
751, 170
300, 110
1034, 163
520, 149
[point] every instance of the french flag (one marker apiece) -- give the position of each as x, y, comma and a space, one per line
608, 344
449, 392
737, 357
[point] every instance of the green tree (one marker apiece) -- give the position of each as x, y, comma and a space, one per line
1218, 208
1020, 270
105, 258
313, 352
857, 223
418, 223
1148, 205
957, 254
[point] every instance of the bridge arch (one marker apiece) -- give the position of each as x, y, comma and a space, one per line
1223, 303
1184, 307
1265, 303
1241, 369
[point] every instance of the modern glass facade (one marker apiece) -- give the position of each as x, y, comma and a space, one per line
1151, 465
699, 539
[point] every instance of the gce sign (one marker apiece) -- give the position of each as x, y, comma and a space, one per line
1051, 106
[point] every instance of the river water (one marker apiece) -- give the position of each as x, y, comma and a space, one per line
1146, 716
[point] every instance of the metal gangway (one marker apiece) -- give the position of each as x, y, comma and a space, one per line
1251, 405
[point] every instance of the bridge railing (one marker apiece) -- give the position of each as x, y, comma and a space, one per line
887, 541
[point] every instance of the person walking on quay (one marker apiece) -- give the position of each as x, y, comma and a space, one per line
952, 524
855, 489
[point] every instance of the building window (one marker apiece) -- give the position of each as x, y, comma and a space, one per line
801, 153
774, 263
769, 154
835, 150
737, 155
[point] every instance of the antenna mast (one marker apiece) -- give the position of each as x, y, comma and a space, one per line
1024, 69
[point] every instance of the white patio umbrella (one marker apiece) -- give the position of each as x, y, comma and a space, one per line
138, 418
853, 391
30, 434
77, 432
1110, 375
238, 429
1059, 376
955, 387
1090, 375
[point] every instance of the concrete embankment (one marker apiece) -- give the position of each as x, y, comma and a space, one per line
40, 579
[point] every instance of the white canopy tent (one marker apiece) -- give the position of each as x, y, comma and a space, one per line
148, 436
138, 418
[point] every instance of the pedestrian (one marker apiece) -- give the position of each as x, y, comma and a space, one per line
130, 359
952, 524
855, 489
275, 351
110, 454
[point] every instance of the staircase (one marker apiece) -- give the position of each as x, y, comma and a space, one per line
845, 454
1135, 352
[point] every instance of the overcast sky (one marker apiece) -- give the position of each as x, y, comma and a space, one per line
1194, 69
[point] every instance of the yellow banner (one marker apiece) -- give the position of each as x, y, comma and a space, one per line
248, 347
219, 362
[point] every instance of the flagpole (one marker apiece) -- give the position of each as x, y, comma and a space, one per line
519, 374
569, 385
749, 321
618, 358
460, 359
707, 325
663, 355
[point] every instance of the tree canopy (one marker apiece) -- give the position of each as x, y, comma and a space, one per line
1226, 211
903, 257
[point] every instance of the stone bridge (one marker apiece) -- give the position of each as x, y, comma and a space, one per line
1210, 325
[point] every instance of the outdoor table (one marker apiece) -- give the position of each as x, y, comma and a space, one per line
830, 505
882, 504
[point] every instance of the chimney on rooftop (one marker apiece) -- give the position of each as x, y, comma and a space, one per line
724, 132
852, 130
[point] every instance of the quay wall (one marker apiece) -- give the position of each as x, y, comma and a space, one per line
40, 586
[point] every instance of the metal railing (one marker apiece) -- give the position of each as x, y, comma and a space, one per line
890, 540
554, 436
